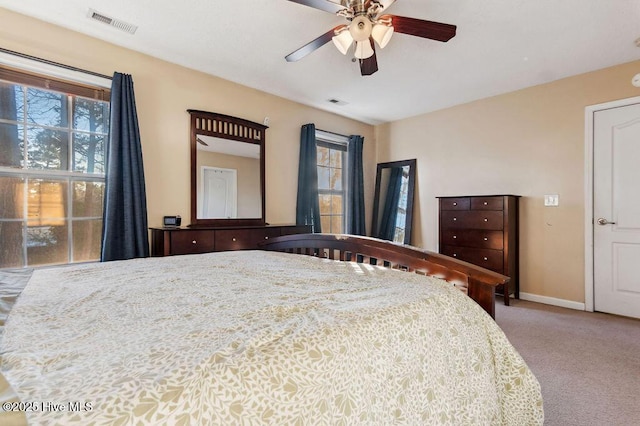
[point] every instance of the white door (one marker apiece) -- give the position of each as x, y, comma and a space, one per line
219, 193
616, 210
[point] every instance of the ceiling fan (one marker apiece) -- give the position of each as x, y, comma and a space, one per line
367, 27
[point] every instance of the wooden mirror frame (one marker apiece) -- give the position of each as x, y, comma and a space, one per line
410, 194
225, 127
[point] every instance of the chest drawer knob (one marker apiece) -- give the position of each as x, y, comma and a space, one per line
486, 258
194, 242
486, 220
455, 255
455, 218
486, 239
233, 239
485, 203
266, 238
455, 236
455, 204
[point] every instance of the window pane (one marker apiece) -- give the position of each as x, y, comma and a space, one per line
88, 153
87, 199
47, 202
336, 204
11, 255
11, 198
336, 224
47, 149
336, 158
11, 145
47, 108
90, 115
336, 179
325, 223
11, 101
323, 156
46, 244
325, 204
87, 235
323, 177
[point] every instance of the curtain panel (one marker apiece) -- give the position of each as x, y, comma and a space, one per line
356, 218
390, 210
124, 227
307, 204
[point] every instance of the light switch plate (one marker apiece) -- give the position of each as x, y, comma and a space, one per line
551, 200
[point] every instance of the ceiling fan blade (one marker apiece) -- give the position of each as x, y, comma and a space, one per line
312, 45
420, 28
369, 65
325, 5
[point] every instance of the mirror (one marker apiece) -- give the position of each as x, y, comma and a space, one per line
393, 201
227, 170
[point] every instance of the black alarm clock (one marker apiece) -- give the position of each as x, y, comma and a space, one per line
171, 221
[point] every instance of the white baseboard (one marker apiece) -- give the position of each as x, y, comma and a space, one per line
553, 301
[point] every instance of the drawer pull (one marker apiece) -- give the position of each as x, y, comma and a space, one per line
485, 203
233, 239
486, 239
266, 238
486, 258
455, 236
455, 218
194, 242
455, 255
486, 220
455, 204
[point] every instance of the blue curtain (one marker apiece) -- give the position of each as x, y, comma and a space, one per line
307, 205
124, 223
356, 224
390, 210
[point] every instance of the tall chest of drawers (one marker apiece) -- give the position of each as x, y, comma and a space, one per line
483, 230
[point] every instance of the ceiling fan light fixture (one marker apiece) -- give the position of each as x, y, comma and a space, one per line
360, 28
342, 40
382, 34
363, 50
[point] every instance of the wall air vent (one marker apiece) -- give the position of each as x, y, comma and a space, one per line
336, 101
116, 23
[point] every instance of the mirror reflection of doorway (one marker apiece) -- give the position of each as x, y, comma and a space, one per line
219, 198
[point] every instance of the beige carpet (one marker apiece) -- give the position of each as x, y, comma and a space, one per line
588, 364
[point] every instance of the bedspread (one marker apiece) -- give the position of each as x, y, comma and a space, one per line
252, 337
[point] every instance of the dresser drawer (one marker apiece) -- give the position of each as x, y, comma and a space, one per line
460, 203
243, 239
190, 242
471, 220
473, 238
487, 203
490, 259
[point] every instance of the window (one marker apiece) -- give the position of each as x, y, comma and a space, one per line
52, 139
332, 181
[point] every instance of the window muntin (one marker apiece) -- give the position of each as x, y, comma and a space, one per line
51, 171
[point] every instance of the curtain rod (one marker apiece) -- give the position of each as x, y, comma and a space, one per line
57, 64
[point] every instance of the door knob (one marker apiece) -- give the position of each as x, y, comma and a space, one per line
603, 221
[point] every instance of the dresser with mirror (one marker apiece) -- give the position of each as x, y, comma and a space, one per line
227, 190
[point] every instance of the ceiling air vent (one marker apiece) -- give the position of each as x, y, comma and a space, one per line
116, 23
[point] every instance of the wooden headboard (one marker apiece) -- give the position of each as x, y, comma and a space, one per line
477, 282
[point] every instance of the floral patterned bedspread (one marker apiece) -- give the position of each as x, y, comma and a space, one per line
253, 337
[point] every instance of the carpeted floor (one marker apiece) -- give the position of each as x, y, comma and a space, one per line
588, 364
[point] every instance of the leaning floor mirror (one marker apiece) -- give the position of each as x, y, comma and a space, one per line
393, 201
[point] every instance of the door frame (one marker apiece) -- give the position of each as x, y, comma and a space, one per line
589, 302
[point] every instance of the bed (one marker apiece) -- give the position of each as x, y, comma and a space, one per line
263, 337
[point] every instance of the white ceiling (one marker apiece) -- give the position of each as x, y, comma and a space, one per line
500, 46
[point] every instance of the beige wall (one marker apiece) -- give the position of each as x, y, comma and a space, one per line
529, 143
165, 91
